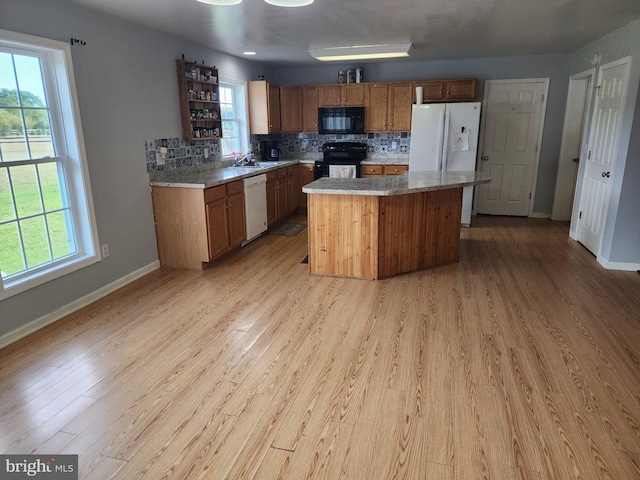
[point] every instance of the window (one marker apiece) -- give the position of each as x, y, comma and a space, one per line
47, 226
233, 107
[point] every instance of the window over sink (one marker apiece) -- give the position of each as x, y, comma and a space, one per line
233, 109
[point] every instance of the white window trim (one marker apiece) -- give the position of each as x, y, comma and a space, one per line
60, 76
239, 83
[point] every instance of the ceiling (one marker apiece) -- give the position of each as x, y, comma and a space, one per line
438, 29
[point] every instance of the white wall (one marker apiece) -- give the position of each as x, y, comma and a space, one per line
127, 90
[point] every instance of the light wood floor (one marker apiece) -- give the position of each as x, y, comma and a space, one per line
522, 361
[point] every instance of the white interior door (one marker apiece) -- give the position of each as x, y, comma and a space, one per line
603, 143
514, 113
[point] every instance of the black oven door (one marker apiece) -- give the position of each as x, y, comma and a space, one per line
321, 167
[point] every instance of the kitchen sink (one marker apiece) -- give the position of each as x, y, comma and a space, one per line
247, 166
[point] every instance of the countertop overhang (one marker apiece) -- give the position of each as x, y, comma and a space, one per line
410, 182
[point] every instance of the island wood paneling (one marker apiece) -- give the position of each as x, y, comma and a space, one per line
343, 238
181, 227
376, 237
418, 230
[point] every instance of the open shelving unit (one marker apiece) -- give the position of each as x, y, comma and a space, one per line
199, 100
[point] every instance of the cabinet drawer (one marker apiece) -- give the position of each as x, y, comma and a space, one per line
371, 169
290, 170
395, 169
272, 175
235, 187
282, 172
214, 193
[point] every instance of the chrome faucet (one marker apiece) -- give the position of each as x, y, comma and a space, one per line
242, 159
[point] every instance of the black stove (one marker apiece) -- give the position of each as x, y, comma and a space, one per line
340, 153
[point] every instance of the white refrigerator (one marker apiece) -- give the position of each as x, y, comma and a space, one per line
444, 137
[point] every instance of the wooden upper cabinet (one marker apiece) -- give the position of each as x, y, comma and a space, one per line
432, 91
329, 95
399, 104
353, 94
310, 108
376, 107
264, 107
290, 108
342, 94
446, 90
388, 107
464, 89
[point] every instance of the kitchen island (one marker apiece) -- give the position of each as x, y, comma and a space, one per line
374, 228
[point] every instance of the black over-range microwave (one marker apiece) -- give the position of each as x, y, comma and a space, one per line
341, 120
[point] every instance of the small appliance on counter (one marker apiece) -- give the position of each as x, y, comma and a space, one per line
270, 150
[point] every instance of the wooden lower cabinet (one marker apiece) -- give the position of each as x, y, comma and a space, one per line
370, 171
280, 188
195, 226
305, 176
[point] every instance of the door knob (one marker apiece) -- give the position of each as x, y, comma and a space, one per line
606, 174
576, 160
485, 158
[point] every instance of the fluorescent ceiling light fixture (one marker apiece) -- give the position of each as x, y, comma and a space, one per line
290, 3
361, 52
221, 2
249, 53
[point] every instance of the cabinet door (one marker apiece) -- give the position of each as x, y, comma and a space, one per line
305, 172
310, 108
282, 197
291, 108
399, 107
272, 200
217, 228
376, 107
273, 105
330, 95
353, 94
464, 89
432, 91
292, 199
237, 220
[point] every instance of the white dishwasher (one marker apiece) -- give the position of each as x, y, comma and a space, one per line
255, 206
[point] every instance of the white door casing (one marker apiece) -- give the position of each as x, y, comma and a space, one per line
603, 145
512, 134
573, 149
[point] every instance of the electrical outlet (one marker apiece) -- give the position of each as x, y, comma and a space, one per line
394, 145
105, 250
206, 152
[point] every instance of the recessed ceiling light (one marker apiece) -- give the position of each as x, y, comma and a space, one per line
221, 2
249, 53
361, 52
289, 3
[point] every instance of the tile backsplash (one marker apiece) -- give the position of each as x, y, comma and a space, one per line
293, 144
181, 153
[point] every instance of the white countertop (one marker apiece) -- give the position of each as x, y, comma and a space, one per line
410, 182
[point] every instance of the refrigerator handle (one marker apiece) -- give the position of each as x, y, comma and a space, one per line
445, 146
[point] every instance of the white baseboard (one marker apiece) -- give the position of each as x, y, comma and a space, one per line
37, 324
628, 267
539, 215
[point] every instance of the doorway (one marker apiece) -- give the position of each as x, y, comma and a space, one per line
573, 149
511, 139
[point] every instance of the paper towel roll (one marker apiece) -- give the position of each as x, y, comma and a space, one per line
418, 95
